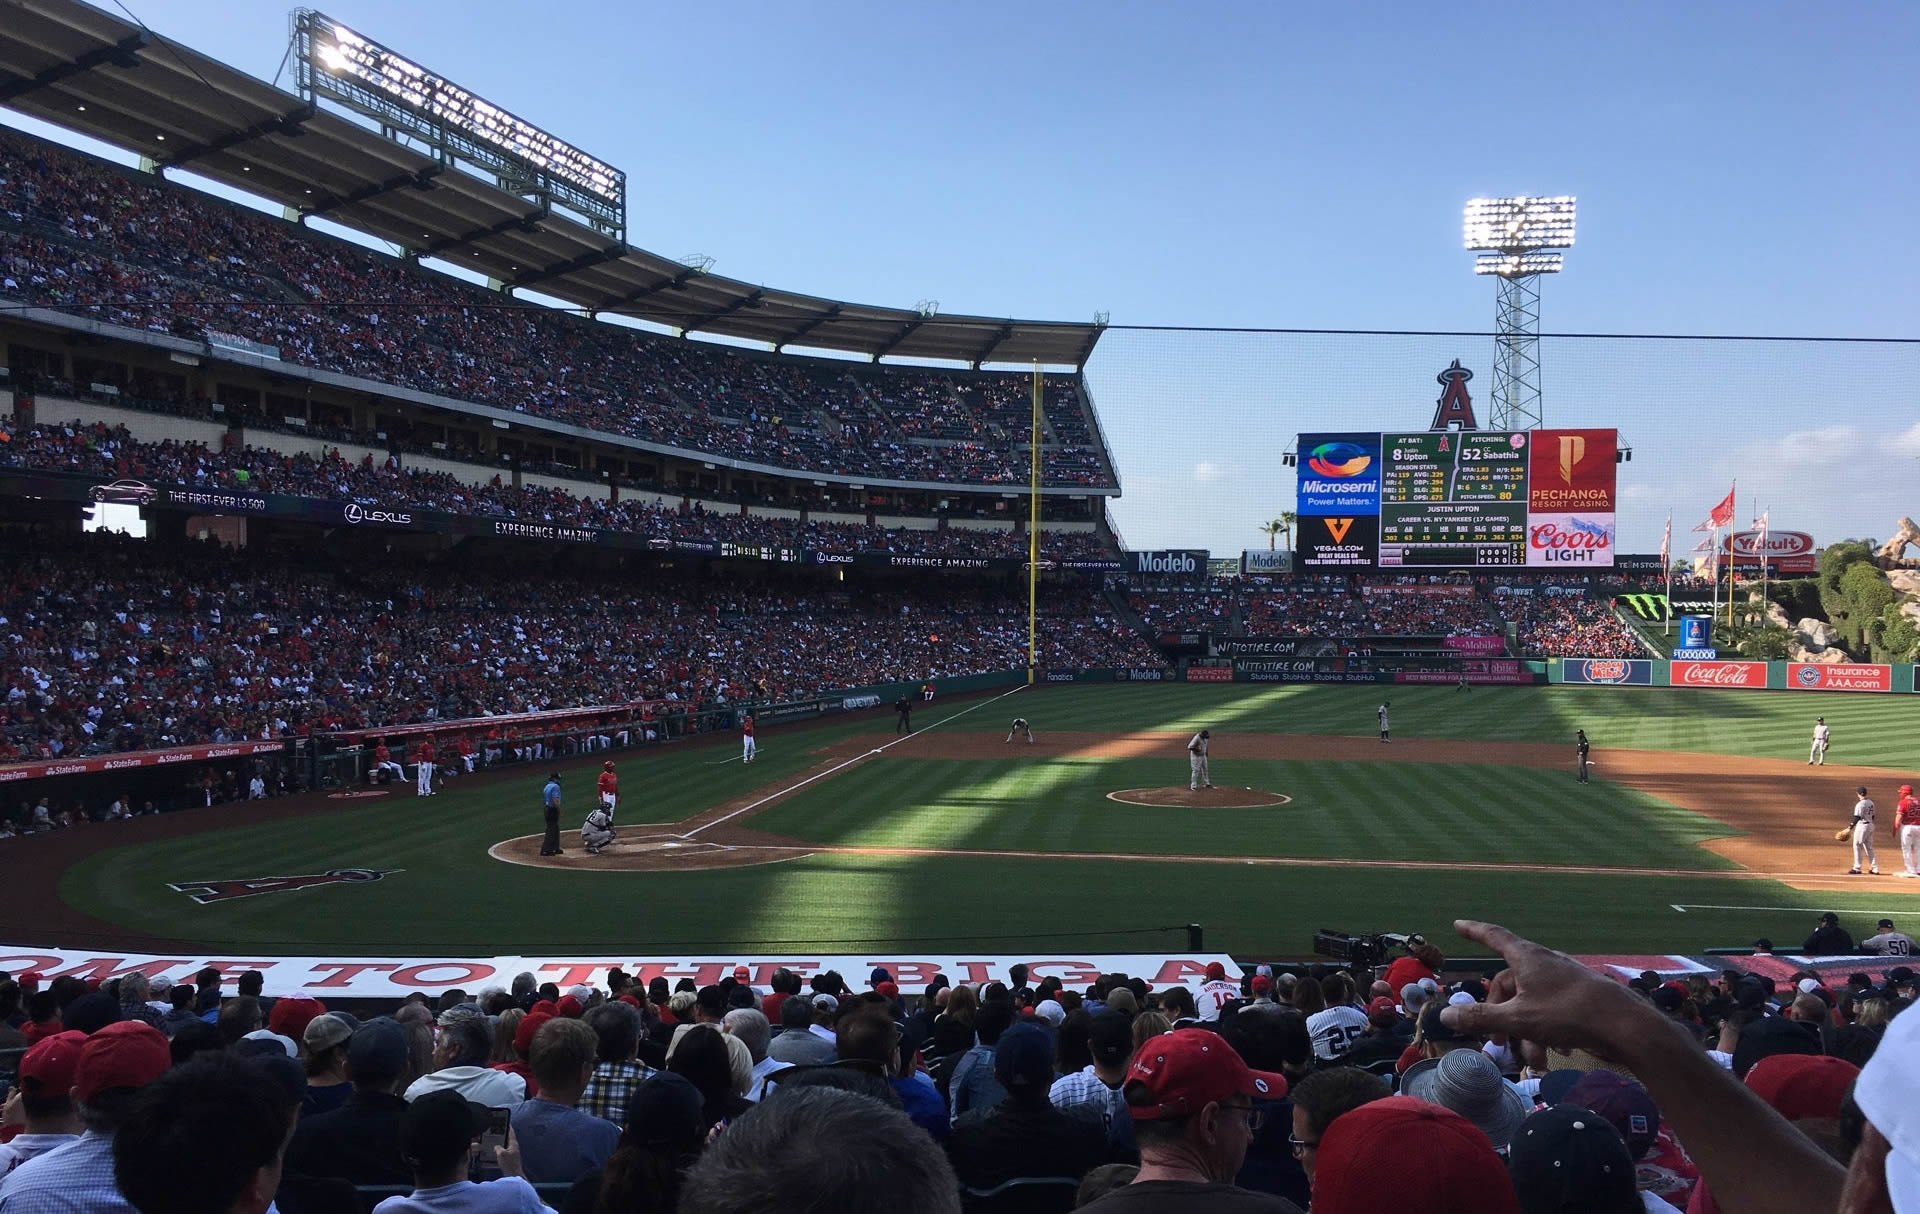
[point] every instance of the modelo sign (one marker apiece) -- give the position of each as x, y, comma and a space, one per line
1172, 562
1720, 674
1838, 676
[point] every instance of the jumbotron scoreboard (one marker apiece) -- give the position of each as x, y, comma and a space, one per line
1451, 499
1456, 499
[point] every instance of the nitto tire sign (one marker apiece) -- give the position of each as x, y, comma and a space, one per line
1611, 672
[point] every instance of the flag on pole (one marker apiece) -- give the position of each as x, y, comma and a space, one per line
1760, 532
1721, 515
1666, 543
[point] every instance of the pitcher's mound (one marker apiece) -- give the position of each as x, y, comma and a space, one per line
1205, 798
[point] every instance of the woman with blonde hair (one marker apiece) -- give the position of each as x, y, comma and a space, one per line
1149, 1024
418, 1023
503, 1050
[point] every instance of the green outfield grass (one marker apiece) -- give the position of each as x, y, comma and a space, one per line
450, 896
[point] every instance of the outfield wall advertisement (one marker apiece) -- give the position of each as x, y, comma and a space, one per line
1442, 499
329, 976
1737, 675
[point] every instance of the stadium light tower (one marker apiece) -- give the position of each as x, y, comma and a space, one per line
1513, 237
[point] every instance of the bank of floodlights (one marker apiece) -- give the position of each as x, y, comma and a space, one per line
1515, 239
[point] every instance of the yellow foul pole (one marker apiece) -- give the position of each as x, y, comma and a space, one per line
1033, 533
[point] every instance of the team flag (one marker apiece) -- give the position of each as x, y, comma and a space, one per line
1722, 515
1666, 543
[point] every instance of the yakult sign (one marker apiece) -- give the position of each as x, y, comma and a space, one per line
1783, 551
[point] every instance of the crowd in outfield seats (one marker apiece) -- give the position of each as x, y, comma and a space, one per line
1208, 607
1570, 626
112, 644
111, 452
76, 233
1550, 1089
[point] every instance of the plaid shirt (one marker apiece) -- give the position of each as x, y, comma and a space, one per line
610, 1089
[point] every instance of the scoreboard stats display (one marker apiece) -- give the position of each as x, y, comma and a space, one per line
1443, 499
1451, 499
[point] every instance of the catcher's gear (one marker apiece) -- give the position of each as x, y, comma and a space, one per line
1843, 834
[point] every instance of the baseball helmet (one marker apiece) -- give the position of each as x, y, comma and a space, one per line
608, 765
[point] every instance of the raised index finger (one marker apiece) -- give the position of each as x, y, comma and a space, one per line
1495, 937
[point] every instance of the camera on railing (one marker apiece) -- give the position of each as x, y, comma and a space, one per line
1362, 953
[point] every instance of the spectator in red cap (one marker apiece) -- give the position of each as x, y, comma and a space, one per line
114, 1064
1807, 1090
1385, 1039
289, 1017
1192, 1100
46, 1099
1405, 1156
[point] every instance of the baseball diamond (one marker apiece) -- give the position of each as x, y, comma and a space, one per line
1698, 797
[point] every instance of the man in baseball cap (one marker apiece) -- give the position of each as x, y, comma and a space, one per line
1192, 1100
46, 1099
114, 1064
1405, 1156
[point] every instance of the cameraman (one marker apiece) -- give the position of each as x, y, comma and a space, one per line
1423, 960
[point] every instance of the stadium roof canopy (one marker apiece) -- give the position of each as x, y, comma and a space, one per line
97, 74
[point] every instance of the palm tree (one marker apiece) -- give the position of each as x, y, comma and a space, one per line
1277, 527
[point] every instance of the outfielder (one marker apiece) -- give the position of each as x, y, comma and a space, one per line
1863, 835
1386, 732
748, 748
1906, 825
1820, 739
1197, 760
1584, 748
1019, 726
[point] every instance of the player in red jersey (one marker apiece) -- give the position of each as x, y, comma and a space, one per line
1906, 827
748, 748
609, 786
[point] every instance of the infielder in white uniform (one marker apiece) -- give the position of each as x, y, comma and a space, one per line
1863, 835
1019, 726
1386, 733
1820, 738
1197, 759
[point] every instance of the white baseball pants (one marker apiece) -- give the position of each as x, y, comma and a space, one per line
1910, 848
1201, 775
425, 786
1863, 844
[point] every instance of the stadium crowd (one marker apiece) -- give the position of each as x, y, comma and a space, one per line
1418, 611
1569, 625
1208, 607
79, 234
112, 452
111, 644
1551, 1089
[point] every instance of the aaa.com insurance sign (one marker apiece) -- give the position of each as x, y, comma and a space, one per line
1838, 676
1720, 674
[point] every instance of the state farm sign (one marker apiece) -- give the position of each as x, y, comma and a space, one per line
1839, 676
1779, 544
1720, 674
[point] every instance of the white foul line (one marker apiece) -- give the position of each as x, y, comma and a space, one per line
849, 762
1684, 907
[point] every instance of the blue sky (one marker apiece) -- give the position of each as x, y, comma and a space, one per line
1741, 168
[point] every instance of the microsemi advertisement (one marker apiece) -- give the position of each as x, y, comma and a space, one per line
1339, 474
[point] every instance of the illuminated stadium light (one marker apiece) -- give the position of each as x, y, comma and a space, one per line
1518, 224
1517, 263
1512, 236
409, 101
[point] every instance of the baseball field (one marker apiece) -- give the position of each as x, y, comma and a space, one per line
1703, 826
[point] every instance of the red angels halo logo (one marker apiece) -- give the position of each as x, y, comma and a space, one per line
205, 892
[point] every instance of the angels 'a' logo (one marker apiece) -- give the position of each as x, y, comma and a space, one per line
204, 892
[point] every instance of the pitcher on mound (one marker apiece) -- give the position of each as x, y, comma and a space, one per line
1197, 760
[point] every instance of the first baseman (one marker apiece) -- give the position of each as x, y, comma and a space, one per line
1820, 739
748, 747
1386, 732
1020, 726
1197, 760
1906, 824
1863, 834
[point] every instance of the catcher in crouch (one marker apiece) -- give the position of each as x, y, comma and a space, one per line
1019, 726
597, 831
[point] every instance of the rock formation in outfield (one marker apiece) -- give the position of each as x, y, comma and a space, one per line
1891, 555
1906, 584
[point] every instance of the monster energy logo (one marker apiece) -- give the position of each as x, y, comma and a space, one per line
1657, 607
1648, 606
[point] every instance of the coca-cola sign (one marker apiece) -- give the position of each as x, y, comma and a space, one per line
1559, 540
1720, 674
1778, 544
